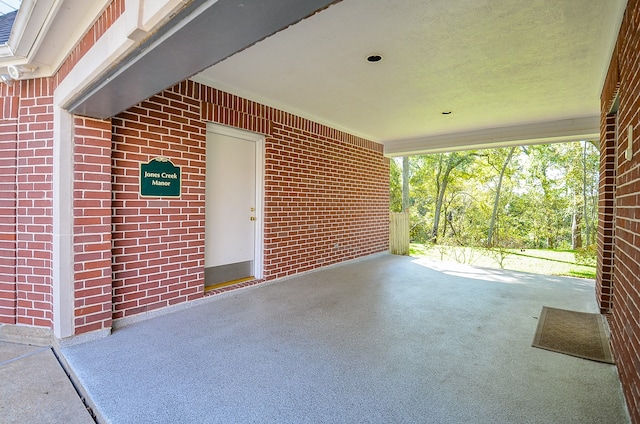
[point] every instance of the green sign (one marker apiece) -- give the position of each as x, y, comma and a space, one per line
160, 178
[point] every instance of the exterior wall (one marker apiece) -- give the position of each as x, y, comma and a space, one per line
34, 203
624, 79
92, 224
158, 243
606, 215
326, 198
92, 199
8, 169
326, 195
26, 201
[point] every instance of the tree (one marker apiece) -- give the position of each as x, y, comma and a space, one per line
529, 196
548, 194
447, 163
405, 183
395, 190
496, 201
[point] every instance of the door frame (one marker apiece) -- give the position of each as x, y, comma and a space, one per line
258, 139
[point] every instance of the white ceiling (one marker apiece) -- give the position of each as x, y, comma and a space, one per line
492, 64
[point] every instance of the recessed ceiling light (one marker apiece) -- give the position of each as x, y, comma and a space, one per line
374, 58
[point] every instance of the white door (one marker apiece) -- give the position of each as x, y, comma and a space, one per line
231, 206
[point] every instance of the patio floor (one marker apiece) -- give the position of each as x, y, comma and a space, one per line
387, 339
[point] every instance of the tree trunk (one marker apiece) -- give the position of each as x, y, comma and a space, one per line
436, 217
405, 183
585, 202
496, 201
576, 231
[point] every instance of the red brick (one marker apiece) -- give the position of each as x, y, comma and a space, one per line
618, 287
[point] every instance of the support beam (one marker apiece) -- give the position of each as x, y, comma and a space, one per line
564, 130
201, 35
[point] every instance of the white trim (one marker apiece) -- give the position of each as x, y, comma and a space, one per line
82, 338
259, 244
81, 28
258, 139
119, 40
622, 7
111, 47
564, 130
63, 276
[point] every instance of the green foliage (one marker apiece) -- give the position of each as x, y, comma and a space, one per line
587, 255
499, 254
395, 186
528, 197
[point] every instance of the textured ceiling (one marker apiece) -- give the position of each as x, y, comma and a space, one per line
492, 64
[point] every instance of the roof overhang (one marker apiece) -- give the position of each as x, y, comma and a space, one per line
201, 35
44, 33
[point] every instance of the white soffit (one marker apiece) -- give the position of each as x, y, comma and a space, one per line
520, 64
45, 32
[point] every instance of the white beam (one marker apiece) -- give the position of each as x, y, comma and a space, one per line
564, 130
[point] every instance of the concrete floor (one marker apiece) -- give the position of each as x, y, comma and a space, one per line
35, 389
388, 339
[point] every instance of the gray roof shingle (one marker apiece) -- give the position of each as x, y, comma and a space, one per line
6, 23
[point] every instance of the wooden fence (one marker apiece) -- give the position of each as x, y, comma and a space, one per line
399, 233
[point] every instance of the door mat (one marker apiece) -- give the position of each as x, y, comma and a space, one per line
573, 333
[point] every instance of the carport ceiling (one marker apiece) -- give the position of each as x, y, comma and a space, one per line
453, 74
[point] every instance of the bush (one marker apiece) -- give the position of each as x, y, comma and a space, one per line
587, 255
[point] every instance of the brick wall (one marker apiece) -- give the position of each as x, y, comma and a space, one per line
26, 201
326, 195
26, 212
624, 78
34, 203
606, 215
8, 168
326, 191
158, 243
92, 224
326, 201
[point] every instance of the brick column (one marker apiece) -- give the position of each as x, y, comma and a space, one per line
606, 215
34, 211
8, 163
92, 225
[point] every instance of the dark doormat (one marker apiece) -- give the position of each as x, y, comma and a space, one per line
573, 333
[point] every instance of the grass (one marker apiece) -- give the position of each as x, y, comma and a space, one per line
537, 261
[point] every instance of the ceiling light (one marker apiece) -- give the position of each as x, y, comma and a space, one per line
374, 58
